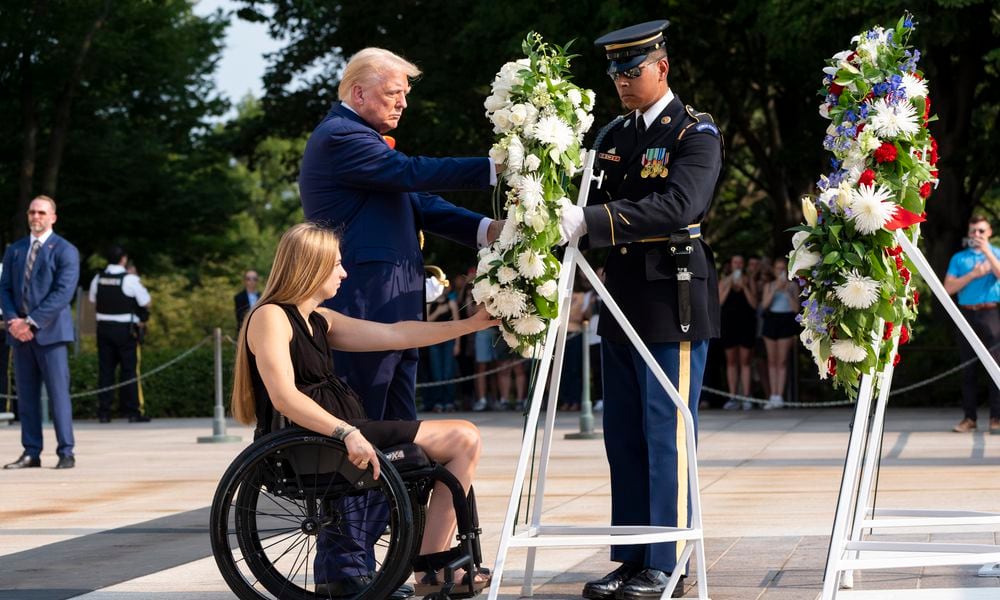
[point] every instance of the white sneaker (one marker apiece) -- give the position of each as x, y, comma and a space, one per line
747, 405
480, 405
598, 406
775, 401
731, 405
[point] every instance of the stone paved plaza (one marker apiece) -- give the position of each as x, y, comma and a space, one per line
130, 522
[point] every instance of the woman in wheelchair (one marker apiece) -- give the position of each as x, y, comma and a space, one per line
284, 373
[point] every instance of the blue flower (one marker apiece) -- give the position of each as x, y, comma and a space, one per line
908, 23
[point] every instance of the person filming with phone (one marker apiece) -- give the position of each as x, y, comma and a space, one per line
973, 275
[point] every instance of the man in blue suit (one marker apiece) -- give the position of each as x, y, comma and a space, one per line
353, 179
40, 274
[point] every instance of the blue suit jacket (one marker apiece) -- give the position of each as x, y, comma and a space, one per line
54, 278
378, 199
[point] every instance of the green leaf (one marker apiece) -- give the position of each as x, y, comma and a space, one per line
853, 259
831, 258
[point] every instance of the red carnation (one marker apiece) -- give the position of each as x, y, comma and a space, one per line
904, 335
934, 174
853, 56
888, 330
836, 88
895, 360
899, 262
831, 366
925, 189
885, 153
896, 251
867, 177
916, 297
927, 110
859, 129
906, 274
932, 156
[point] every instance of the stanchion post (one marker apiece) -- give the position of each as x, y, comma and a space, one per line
586, 408
219, 420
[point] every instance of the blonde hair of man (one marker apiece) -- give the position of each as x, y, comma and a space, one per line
369, 66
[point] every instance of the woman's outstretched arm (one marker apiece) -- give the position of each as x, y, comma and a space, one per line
356, 335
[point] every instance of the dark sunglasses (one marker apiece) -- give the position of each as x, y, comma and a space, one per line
632, 73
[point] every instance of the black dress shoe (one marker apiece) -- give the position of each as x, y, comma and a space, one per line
25, 462
347, 587
606, 588
649, 585
66, 462
402, 592
139, 419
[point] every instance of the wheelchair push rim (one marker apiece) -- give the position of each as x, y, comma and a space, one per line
293, 496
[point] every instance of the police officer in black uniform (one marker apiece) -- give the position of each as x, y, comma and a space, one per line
661, 162
122, 308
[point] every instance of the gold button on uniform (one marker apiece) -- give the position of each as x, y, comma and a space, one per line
624, 250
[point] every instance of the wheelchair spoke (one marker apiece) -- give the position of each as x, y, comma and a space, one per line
295, 566
262, 550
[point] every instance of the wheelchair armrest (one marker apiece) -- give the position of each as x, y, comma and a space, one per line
407, 457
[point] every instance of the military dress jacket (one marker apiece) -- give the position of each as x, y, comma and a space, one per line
654, 185
378, 199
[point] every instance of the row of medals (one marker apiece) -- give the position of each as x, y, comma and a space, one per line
654, 163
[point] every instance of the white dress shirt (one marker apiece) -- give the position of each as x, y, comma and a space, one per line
131, 286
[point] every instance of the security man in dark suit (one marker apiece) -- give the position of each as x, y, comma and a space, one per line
122, 302
661, 162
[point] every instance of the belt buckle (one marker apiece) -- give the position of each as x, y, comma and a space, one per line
683, 275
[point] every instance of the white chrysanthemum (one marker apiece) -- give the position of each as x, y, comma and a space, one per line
509, 303
914, 88
483, 290
530, 190
584, 121
847, 351
515, 154
548, 290
589, 95
891, 120
554, 132
506, 274
857, 291
509, 235
530, 264
531, 163
871, 207
528, 325
575, 97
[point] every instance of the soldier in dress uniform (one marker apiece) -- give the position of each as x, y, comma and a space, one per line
661, 162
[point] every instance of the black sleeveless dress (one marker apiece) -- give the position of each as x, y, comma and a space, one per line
315, 377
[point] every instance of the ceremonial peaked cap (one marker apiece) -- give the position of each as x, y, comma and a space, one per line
627, 48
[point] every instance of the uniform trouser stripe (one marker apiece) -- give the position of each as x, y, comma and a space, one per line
684, 390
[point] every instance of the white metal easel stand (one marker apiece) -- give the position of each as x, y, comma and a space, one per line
538, 535
856, 513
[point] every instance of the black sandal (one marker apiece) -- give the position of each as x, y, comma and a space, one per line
430, 583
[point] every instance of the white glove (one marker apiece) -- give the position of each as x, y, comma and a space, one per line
432, 289
572, 224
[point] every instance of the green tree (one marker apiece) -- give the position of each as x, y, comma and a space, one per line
114, 101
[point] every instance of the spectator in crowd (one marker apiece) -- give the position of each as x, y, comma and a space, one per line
40, 275
485, 342
738, 296
781, 302
247, 297
465, 356
511, 366
593, 304
121, 303
441, 397
570, 383
759, 270
973, 274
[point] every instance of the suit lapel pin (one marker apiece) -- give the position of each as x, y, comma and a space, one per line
665, 120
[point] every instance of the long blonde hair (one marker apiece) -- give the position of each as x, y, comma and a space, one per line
307, 253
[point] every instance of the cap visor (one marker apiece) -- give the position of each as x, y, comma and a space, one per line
617, 66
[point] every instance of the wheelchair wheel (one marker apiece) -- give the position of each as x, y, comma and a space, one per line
292, 496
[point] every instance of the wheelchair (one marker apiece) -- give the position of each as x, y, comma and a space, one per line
292, 486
